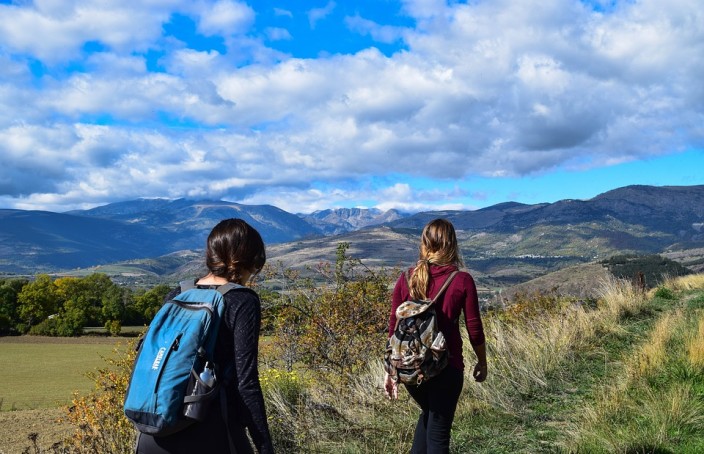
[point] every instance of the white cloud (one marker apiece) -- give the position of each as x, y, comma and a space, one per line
381, 33
424, 9
283, 12
504, 88
53, 31
278, 34
317, 14
226, 18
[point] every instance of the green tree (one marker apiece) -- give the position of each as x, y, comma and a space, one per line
148, 303
75, 306
99, 292
647, 270
115, 300
38, 300
9, 305
78, 302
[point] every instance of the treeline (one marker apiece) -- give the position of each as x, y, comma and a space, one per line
64, 306
651, 269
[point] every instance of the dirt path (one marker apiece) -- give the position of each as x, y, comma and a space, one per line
15, 427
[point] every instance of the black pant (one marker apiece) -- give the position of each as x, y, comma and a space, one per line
438, 400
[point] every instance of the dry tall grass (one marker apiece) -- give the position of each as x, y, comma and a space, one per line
653, 354
619, 298
320, 416
695, 347
523, 355
643, 423
526, 353
631, 414
685, 283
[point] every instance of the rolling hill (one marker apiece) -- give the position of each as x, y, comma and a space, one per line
503, 244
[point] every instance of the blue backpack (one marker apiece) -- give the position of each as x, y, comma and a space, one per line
166, 384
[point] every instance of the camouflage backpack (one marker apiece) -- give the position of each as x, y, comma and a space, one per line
416, 351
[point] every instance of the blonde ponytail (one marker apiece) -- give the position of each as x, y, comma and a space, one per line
438, 246
419, 280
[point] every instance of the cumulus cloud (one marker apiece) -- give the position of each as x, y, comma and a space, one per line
56, 30
226, 17
380, 33
500, 88
317, 14
277, 34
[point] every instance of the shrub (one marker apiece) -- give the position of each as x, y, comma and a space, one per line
113, 327
99, 423
58, 325
528, 305
332, 327
665, 293
288, 383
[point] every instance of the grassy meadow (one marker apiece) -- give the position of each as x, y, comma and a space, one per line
39, 376
621, 374
43, 372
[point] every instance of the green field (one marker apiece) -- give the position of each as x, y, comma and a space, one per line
38, 372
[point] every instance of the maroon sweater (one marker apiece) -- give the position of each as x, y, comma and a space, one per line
460, 296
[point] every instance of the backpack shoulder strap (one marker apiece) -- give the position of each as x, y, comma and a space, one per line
229, 286
187, 284
447, 283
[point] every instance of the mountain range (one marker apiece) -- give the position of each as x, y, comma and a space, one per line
508, 242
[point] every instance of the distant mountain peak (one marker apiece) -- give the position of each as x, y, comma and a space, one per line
635, 218
340, 220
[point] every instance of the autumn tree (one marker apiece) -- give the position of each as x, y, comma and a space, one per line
65, 306
338, 322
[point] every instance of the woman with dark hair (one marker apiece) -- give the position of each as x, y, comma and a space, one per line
234, 253
437, 397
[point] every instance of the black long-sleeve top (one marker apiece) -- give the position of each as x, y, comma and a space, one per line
238, 345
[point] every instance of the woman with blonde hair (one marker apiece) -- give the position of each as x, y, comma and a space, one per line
437, 397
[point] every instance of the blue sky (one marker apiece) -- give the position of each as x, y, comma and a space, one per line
413, 104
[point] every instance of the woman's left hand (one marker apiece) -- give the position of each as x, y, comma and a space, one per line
390, 387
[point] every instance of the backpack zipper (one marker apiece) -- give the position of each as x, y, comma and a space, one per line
173, 347
194, 307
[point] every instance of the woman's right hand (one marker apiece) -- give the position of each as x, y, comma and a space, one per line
390, 387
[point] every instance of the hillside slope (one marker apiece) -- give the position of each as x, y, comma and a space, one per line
41, 240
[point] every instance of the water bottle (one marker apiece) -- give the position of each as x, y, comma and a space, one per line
207, 376
198, 410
